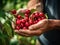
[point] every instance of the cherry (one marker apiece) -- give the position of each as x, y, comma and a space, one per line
13, 11
22, 25
41, 14
30, 22
27, 11
36, 14
26, 24
18, 16
23, 20
39, 19
24, 28
26, 15
33, 14
18, 21
35, 22
17, 27
43, 17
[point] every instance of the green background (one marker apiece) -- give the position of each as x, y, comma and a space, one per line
7, 35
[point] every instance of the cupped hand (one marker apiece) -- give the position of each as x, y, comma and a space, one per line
36, 29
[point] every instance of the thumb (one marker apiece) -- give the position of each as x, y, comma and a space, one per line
38, 25
35, 26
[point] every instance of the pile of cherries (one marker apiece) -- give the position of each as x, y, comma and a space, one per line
28, 19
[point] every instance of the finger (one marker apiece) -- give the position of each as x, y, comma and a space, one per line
31, 33
21, 11
35, 26
38, 25
22, 34
13, 25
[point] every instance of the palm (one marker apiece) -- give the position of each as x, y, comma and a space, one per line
36, 29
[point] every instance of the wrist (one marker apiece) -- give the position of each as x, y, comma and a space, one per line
54, 24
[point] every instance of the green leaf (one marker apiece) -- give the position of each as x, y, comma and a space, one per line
22, 14
8, 30
33, 10
2, 14
4, 40
46, 15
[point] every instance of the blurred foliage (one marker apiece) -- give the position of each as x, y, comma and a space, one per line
7, 35
12, 4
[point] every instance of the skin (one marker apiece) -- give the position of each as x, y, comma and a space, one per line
35, 4
42, 26
39, 28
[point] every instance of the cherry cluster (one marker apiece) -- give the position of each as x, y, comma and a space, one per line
28, 19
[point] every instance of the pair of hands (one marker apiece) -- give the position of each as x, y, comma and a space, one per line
36, 29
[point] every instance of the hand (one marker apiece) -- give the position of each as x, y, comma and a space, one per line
37, 29
38, 5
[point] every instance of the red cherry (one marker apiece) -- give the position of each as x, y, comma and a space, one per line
30, 22
22, 25
17, 27
43, 17
27, 24
36, 21
13, 11
36, 14
33, 14
41, 14
18, 21
27, 11
24, 28
23, 20
18, 16
39, 19
26, 15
